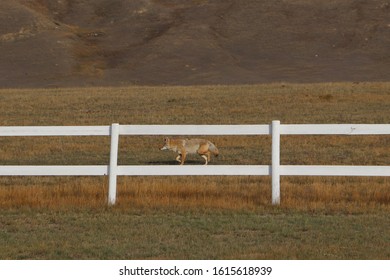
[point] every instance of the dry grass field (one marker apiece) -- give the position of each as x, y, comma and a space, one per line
213, 211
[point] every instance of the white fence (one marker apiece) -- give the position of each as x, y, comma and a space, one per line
275, 169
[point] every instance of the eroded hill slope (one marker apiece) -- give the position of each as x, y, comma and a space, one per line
120, 42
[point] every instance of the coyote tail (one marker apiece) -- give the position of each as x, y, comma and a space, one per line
213, 149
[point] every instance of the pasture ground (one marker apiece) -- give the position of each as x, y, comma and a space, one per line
196, 217
183, 234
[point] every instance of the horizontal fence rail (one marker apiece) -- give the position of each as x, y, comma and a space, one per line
334, 170
195, 170
55, 131
54, 170
275, 169
195, 129
335, 129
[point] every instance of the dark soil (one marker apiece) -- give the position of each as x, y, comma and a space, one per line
47, 43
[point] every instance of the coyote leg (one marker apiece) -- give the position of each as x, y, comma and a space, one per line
208, 156
178, 158
183, 158
205, 158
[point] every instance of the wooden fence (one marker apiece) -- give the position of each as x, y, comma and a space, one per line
275, 169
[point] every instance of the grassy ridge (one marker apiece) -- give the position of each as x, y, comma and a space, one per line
200, 215
290, 103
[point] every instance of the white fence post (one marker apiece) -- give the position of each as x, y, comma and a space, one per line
113, 168
275, 162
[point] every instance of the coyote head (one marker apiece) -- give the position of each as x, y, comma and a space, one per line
166, 144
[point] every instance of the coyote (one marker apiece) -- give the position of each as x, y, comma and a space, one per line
190, 146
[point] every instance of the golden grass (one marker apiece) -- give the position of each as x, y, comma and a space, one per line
330, 194
259, 104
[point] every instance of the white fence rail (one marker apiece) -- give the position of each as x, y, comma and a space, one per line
275, 169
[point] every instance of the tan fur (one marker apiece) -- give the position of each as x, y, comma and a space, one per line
190, 146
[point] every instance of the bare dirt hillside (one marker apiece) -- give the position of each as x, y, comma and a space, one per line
45, 43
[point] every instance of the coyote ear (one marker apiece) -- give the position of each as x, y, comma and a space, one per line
166, 139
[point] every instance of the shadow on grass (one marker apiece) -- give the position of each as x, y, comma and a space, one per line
174, 162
